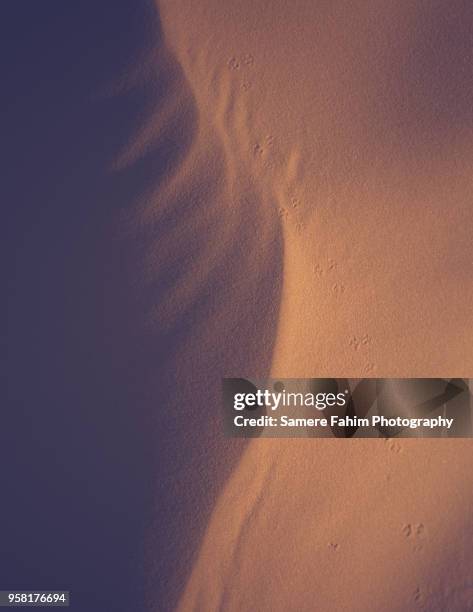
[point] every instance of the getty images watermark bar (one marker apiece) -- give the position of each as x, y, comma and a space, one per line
348, 408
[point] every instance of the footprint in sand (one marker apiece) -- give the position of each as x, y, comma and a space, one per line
338, 288
359, 342
369, 368
393, 445
419, 597
415, 534
239, 62
261, 148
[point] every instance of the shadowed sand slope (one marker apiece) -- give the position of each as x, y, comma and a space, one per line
144, 267
206, 271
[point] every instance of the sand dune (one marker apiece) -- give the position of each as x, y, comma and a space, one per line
145, 266
207, 189
206, 279
352, 122
346, 525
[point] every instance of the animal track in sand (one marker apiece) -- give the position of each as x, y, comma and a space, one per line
369, 368
334, 546
241, 61
260, 148
410, 529
318, 270
419, 598
358, 343
415, 533
458, 597
393, 445
330, 267
233, 63
338, 288
283, 213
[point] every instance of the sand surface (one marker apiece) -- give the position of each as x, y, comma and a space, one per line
200, 189
352, 124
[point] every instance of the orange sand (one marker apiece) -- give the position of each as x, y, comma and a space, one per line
328, 151
202, 189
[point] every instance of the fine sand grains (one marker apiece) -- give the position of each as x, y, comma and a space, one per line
334, 117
